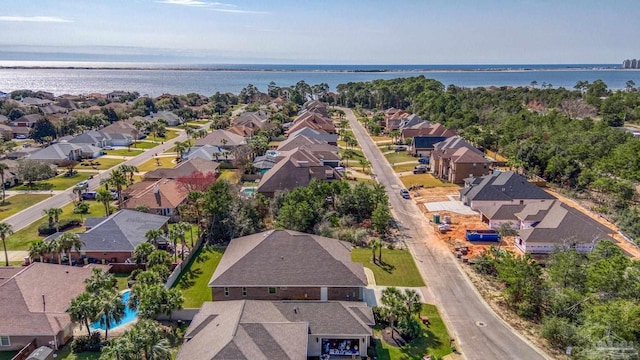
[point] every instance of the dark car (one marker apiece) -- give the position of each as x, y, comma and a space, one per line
89, 195
400, 148
405, 194
423, 160
420, 169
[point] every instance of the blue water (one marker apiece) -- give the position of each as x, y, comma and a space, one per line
157, 79
129, 315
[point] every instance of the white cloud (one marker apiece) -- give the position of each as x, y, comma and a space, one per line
52, 19
196, 3
213, 6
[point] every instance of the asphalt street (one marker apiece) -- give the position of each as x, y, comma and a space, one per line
479, 333
35, 212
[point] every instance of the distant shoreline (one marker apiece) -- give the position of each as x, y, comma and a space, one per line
311, 69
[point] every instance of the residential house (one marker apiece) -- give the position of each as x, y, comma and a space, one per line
504, 188
20, 132
112, 239
331, 139
169, 117
264, 163
35, 300
256, 120
34, 102
161, 197
286, 330
313, 120
123, 128
221, 138
544, 227
53, 109
101, 139
422, 146
315, 106
11, 175
6, 132
208, 152
242, 130
295, 168
454, 159
117, 95
27, 121
288, 265
58, 152
185, 168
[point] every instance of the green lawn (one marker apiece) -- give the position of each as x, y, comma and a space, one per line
398, 270
60, 182
426, 180
400, 156
21, 239
124, 152
168, 135
357, 155
65, 353
344, 145
381, 138
17, 203
193, 282
144, 145
122, 281
198, 122
434, 340
100, 163
152, 164
170, 150
7, 355
230, 175
405, 167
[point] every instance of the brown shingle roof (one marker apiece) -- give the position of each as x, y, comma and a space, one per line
23, 311
288, 258
185, 168
222, 138
163, 193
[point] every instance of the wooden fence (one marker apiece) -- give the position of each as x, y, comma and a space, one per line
26, 351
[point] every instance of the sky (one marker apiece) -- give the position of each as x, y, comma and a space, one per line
322, 32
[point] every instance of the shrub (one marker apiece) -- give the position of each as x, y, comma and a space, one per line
64, 224
87, 343
379, 316
559, 332
409, 328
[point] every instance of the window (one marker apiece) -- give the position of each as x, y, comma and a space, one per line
272, 290
226, 291
244, 291
4, 341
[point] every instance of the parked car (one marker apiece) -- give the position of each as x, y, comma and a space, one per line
83, 184
423, 160
400, 148
405, 194
420, 169
89, 195
21, 136
108, 148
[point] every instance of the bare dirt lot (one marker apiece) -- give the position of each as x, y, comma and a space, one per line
459, 223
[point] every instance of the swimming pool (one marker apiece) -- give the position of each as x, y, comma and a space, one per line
129, 315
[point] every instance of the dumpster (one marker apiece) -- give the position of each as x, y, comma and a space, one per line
482, 235
436, 218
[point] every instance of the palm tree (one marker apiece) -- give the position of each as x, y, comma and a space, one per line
118, 180
121, 348
412, 302
54, 216
78, 191
3, 167
38, 249
54, 248
105, 197
348, 154
129, 170
364, 163
100, 281
111, 309
83, 309
374, 243
138, 124
182, 228
181, 147
68, 241
153, 235
394, 135
174, 235
150, 340
5, 230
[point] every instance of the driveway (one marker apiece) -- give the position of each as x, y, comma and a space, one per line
479, 332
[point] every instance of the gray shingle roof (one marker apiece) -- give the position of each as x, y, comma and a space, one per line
562, 223
122, 231
505, 186
59, 151
288, 258
249, 329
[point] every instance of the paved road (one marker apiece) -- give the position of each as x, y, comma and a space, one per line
33, 213
479, 332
